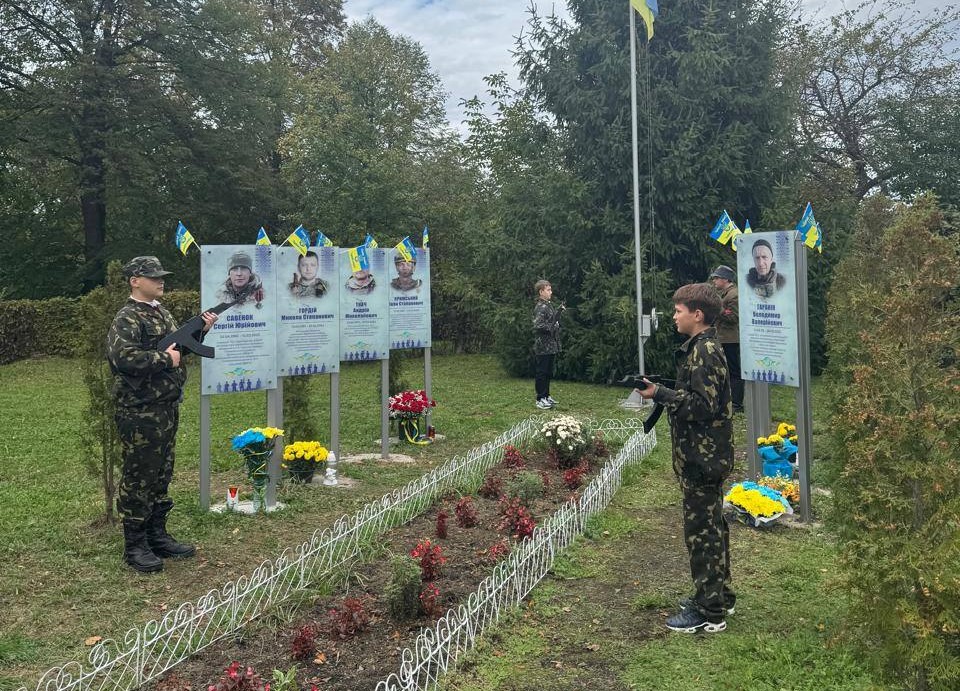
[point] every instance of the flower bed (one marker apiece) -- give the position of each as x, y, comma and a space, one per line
480, 532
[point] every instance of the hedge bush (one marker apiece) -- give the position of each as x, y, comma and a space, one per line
35, 328
894, 335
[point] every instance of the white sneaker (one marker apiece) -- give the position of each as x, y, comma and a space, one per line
551, 401
543, 404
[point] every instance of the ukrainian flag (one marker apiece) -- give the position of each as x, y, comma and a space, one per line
724, 229
300, 239
809, 230
262, 238
370, 242
649, 10
407, 250
358, 258
323, 240
184, 239
426, 237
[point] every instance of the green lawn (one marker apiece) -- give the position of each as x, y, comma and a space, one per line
596, 623
61, 578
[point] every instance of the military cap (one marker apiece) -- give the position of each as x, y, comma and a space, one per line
144, 266
724, 272
241, 259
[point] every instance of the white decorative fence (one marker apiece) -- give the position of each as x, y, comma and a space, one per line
148, 651
439, 647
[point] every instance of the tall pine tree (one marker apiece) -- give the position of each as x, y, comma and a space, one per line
714, 116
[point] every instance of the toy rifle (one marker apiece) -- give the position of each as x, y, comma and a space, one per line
188, 336
635, 381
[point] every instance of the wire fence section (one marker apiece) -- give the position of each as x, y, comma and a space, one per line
438, 648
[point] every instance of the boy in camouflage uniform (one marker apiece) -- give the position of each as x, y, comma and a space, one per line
546, 342
148, 386
700, 411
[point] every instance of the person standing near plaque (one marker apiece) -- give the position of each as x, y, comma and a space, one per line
148, 387
728, 328
546, 342
701, 434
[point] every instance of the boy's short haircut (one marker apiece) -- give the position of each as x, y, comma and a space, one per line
540, 285
700, 296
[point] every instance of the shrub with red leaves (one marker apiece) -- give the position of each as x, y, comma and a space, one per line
512, 458
431, 559
466, 513
492, 488
497, 551
442, 525
517, 519
236, 678
304, 643
349, 619
430, 601
573, 477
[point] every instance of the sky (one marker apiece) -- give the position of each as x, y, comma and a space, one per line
467, 40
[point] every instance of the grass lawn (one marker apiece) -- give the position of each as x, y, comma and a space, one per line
61, 577
596, 623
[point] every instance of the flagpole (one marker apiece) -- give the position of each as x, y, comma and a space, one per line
636, 183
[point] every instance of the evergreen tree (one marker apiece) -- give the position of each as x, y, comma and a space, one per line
714, 116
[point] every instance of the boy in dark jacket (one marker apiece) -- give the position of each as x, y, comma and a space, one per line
701, 431
546, 342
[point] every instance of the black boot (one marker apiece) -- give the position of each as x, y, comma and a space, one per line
161, 542
136, 552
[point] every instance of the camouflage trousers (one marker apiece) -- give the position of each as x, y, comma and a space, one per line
147, 440
707, 537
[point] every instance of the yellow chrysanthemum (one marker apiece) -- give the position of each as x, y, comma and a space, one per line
754, 502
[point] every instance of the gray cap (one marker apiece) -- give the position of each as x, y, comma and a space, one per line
144, 266
724, 272
241, 259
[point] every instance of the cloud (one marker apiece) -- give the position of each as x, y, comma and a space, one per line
465, 40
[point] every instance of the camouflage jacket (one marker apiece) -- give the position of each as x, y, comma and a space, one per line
728, 323
546, 328
143, 375
700, 410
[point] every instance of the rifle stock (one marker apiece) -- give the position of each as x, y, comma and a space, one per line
636, 381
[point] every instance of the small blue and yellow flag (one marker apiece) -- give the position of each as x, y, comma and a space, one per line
184, 239
407, 250
262, 238
737, 232
370, 242
649, 10
809, 230
724, 229
323, 240
358, 258
300, 239
425, 242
